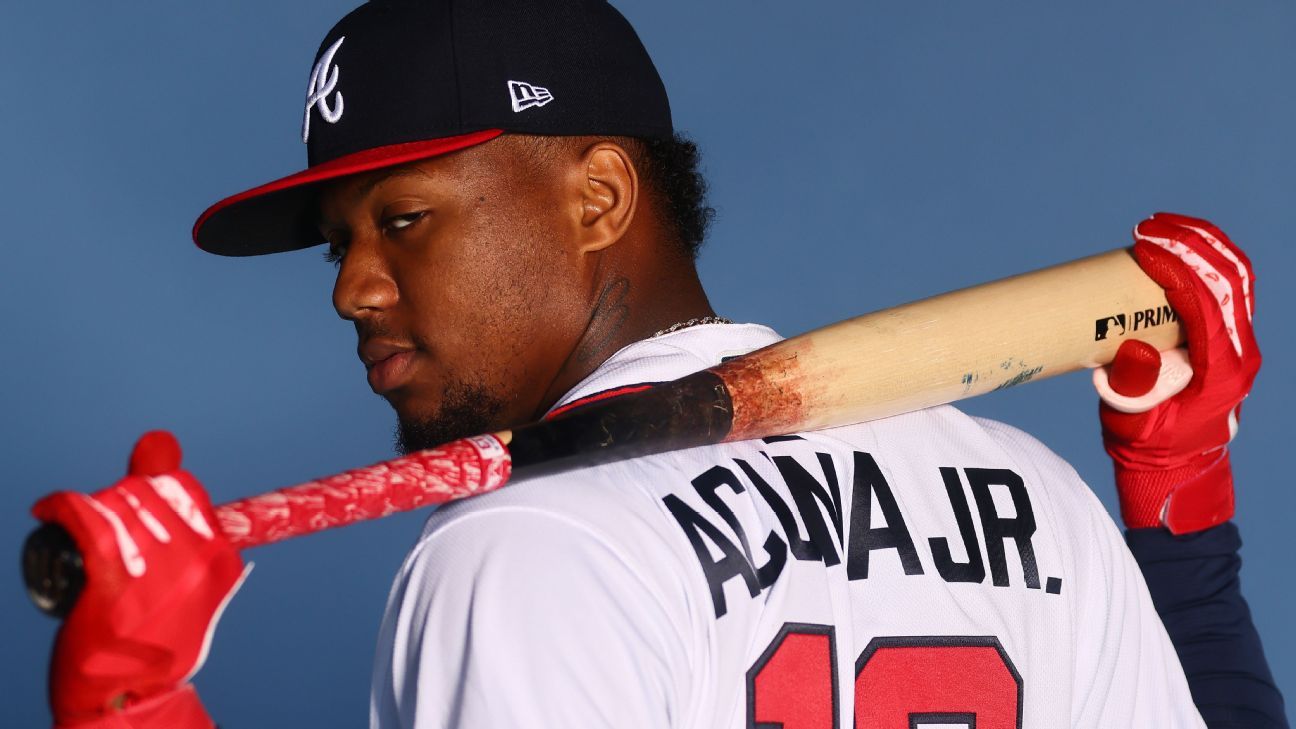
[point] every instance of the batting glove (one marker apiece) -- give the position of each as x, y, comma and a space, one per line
159, 573
1167, 418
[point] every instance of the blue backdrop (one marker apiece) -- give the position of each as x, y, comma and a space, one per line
861, 154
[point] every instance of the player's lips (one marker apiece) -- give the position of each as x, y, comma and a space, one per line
389, 363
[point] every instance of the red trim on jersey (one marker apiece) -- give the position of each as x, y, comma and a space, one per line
599, 396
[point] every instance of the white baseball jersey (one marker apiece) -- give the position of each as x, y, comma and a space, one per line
927, 570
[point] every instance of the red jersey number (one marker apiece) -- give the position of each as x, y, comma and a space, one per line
899, 682
793, 685
903, 682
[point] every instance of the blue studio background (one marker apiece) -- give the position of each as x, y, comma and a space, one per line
861, 154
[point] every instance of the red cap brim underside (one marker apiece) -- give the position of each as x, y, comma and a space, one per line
280, 216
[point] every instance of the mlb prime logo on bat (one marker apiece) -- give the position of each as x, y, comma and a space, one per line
1116, 324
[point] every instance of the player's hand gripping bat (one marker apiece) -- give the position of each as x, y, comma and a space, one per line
930, 352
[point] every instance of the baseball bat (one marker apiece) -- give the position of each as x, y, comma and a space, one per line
930, 352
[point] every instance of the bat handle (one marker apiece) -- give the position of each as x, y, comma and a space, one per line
53, 570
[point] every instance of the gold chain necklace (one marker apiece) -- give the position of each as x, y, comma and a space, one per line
695, 321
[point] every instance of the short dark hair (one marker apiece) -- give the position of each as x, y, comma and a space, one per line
671, 170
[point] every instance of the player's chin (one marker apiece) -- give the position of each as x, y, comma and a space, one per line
429, 417
413, 403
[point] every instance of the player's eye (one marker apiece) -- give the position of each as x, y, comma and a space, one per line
334, 253
400, 222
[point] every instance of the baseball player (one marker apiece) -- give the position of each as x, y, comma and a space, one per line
514, 222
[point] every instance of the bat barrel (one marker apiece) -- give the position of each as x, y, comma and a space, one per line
52, 570
950, 347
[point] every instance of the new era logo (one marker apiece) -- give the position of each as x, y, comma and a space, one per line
525, 96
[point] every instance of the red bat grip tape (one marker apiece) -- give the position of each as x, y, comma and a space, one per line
461, 468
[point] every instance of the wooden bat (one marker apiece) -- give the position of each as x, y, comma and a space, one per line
930, 352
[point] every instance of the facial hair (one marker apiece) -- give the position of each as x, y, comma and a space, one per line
465, 410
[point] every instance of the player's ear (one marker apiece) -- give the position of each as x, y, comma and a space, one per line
609, 189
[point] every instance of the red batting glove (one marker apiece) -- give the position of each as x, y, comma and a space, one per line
158, 574
1169, 442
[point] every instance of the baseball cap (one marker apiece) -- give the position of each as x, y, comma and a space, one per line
397, 81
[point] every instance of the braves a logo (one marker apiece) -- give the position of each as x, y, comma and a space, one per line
323, 80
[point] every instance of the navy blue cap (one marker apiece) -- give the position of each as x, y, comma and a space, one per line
397, 81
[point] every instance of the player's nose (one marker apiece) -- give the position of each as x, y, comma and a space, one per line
364, 283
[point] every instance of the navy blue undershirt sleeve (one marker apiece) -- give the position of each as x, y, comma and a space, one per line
1195, 587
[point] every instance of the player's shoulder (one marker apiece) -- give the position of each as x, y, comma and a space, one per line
1015, 439
947, 423
601, 517
1032, 454
946, 436
563, 568
1025, 447
947, 427
1062, 485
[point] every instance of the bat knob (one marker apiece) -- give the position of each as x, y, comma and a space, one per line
52, 570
